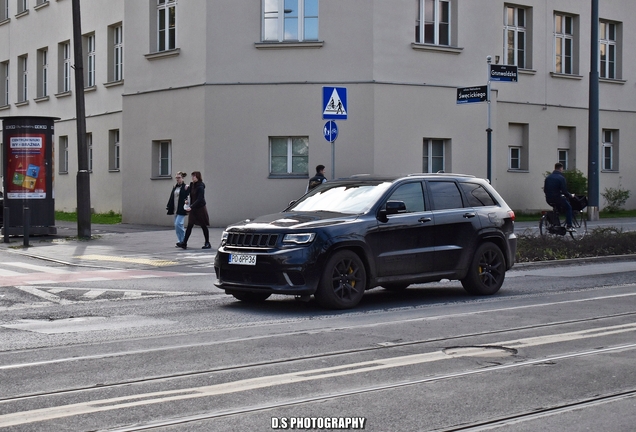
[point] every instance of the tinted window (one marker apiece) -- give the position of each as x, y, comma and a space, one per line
411, 194
445, 195
477, 196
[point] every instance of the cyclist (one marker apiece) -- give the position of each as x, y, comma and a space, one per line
557, 195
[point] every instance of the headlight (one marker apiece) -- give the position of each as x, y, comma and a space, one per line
224, 238
302, 238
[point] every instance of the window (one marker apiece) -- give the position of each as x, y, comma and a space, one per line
113, 150
610, 150
89, 147
436, 16
162, 158
4, 10
23, 6
166, 25
563, 44
445, 195
89, 60
566, 147
116, 53
433, 156
63, 155
290, 20
43, 73
476, 195
23, 81
562, 157
289, 156
411, 195
64, 54
517, 146
4, 83
515, 36
608, 47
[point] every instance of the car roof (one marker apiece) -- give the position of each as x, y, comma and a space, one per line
393, 178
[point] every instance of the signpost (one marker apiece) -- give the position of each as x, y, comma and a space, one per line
505, 73
472, 94
334, 107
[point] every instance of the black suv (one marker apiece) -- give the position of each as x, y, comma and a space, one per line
351, 235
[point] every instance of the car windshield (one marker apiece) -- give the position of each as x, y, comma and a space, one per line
349, 198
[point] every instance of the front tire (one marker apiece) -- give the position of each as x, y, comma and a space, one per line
487, 271
343, 281
251, 297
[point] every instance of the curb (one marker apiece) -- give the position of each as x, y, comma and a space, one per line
574, 261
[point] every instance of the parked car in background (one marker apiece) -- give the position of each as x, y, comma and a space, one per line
347, 236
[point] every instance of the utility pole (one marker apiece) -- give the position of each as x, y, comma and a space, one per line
489, 129
593, 125
83, 179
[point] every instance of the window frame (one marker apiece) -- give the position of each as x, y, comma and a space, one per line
563, 156
279, 22
114, 153
166, 25
22, 6
64, 59
89, 57
516, 28
118, 52
289, 157
610, 69
162, 151
436, 23
610, 143
511, 158
63, 151
4, 10
428, 155
561, 39
23, 78
43, 72
4, 89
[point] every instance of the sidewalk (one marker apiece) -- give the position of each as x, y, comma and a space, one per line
135, 246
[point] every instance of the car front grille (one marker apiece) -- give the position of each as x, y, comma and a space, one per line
251, 240
251, 277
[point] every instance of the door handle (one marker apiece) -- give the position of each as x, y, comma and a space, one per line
424, 219
470, 215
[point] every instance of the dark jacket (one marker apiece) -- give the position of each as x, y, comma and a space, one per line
555, 186
183, 195
315, 181
199, 212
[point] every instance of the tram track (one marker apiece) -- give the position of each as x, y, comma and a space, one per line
386, 346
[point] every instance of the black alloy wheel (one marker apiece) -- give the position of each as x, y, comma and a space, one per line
487, 271
343, 281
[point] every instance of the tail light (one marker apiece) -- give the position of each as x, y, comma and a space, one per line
511, 215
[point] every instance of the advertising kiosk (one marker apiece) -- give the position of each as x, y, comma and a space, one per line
27, 168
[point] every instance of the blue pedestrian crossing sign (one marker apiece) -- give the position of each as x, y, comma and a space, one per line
334, 103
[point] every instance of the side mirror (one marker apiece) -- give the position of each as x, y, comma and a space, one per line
391, 207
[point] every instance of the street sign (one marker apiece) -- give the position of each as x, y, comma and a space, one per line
503, 73
472, 94
334, 103
330, 131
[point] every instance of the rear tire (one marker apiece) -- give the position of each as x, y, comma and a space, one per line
251, 297
487, 271
579, 222
343, 281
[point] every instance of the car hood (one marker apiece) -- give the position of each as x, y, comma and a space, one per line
294, 220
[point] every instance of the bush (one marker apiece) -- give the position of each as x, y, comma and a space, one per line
598, 242
576, 181
615, 198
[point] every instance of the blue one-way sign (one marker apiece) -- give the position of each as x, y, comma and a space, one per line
334, 103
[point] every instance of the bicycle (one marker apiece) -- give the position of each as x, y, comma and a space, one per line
553, 222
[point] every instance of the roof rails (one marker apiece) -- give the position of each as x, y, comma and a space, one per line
441, 173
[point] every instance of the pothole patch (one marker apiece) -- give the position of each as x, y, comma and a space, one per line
479, 351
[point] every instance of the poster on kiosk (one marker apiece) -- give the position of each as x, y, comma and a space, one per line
28, 174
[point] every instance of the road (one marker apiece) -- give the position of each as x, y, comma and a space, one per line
141, 346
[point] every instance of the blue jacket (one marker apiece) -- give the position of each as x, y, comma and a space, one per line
555, 186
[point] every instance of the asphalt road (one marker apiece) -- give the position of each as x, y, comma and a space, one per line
140, 345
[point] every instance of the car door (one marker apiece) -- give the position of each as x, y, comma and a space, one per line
403, 244
456, 226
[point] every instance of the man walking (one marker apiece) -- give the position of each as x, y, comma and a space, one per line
318, 179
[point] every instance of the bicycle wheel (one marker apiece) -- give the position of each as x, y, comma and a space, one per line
545, 226
579, 223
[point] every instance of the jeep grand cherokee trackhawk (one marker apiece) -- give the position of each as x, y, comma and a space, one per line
351, 235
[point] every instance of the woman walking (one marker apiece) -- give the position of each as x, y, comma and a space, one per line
176, 203
198, 212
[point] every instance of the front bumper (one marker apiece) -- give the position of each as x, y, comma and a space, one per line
291, 271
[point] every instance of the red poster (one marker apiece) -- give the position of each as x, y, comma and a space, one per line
26, 169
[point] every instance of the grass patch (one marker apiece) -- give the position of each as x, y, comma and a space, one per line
109, 218
599, 242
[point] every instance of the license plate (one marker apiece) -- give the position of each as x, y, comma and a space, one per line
242, 259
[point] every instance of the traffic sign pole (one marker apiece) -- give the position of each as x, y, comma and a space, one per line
489, 130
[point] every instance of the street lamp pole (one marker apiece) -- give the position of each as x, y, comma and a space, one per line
489, 130
593, 125
83, 179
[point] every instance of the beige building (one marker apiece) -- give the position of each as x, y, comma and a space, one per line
233, 88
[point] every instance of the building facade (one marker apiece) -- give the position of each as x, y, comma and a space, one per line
233, 88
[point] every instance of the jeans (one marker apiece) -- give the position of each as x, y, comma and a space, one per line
178, 227
564, 206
